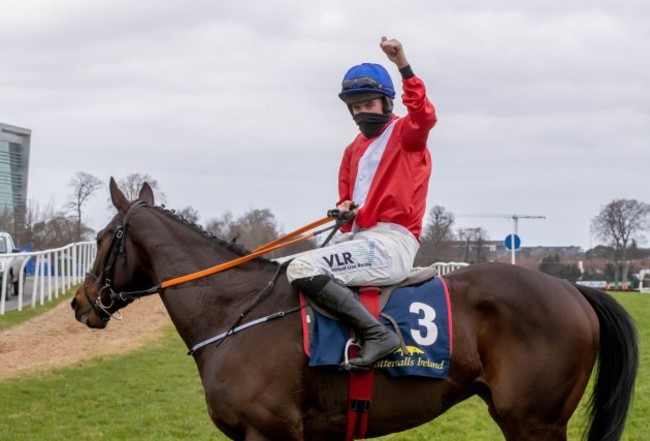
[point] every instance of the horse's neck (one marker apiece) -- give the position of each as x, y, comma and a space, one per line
177, 251
209, 305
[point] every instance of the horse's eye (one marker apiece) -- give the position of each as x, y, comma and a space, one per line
98, 238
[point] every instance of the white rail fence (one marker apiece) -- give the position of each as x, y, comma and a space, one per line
644, 286
55, 272
443, 268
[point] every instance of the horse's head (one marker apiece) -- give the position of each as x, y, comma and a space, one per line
98, 299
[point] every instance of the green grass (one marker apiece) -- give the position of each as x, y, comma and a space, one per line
151, 394
155, 394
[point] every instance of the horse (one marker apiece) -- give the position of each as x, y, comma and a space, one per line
525, 342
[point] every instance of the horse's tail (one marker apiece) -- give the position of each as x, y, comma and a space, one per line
618, 360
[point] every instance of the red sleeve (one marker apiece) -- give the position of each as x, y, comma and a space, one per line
345, 185
421, 115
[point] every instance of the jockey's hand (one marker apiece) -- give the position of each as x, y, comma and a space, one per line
394, 51
348, 206
345, 211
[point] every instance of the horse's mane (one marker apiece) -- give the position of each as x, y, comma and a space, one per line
232, 246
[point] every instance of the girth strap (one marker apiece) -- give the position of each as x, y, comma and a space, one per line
361, 383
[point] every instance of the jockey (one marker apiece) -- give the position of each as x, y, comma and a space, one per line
383, 179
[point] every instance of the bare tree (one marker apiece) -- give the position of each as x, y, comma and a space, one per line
7, 220
189, 213
438, 226
619, 222
53, 231
222, 227
258, 227
253, 229
437, 230
132, 183
480, 237
35, 215
83, 186
474, 239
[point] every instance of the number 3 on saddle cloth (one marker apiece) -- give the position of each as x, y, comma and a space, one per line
421, 310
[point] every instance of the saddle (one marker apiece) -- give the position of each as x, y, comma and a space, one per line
417, 277
418, 310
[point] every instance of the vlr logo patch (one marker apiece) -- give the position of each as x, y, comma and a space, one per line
339, 259
351, 256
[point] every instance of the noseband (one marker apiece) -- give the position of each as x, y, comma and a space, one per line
115, 249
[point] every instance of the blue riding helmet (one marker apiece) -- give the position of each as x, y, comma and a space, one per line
365, 82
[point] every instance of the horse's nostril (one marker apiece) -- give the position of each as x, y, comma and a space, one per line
73, 303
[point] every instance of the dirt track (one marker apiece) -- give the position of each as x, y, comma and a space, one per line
56, 339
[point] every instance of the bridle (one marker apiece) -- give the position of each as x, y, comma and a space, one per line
115, 249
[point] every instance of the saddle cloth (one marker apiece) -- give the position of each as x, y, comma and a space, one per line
423, 314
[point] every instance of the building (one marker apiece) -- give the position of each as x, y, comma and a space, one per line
14, 174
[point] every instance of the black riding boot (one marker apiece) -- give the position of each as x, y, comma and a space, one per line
340, 301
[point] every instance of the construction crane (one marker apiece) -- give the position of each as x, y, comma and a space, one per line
515, 218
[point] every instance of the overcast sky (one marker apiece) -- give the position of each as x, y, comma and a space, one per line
543, 106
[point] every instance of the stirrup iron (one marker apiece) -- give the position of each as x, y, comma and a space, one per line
346, 356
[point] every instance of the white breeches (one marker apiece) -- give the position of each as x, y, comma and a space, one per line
378, 256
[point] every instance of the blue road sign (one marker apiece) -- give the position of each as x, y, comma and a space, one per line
508, 241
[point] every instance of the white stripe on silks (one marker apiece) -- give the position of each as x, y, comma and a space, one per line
368, 165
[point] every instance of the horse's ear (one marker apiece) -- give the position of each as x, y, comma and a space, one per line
119, 200
146, 194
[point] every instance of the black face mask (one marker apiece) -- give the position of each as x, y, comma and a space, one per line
371, 124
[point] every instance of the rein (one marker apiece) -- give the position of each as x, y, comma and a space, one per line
341, 218
264, 249
117, 248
